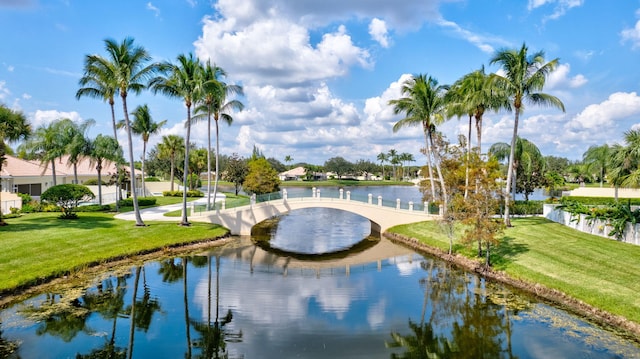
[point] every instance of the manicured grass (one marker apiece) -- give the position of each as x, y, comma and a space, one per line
598, 271
40, 246
231, 201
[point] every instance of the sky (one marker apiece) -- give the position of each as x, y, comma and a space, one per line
318, 75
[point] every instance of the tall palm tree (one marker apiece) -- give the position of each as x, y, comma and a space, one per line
382, 157
129, 67
184, 81
103, 150
144, 126
598, 158
524, 75
424, 104
100, 81
214, 102
13, 127
393, 159
170, 146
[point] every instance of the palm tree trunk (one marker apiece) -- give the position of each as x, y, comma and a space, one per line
479, 133
99, 169
136, 207
507, 191
437, 161
466, 169
429, 165
185, 221
173, 165
215, 187
115, 135
144, 151
53, 171
75, 173
209, 162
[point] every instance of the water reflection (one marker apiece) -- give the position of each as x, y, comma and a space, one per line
243, 301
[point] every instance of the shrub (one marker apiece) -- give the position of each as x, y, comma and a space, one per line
67, 197
93, 182
26, 198
142, 201
527, 207
94, 208
152, 179
191, 193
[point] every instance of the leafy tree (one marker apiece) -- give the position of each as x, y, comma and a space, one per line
339, 166
143, 126
528, 173
261, 178
598, 159
423, 105
276, 165
197, 164
48, 143
13, 127
170, 148
67, 197
184, 81
524, 75
383, 158
236, 171
365, 167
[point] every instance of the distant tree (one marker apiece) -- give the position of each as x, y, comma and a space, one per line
598, 159
288, 159
256, 153
339, 166
310, 171
170, 148
261, 178
383, 158
236, 171
48, 144
557, 164
276, 164
77, 143
67, 197
365, 167
197, 164
103, 150
528, 173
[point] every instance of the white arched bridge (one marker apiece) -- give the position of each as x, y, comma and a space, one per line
240, 220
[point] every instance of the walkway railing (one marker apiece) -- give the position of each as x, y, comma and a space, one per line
430, 208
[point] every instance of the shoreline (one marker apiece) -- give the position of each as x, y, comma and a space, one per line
618, 323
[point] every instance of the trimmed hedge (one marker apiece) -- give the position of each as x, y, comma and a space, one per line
595, 201
142, 201
94, 208
191, 193
527, 207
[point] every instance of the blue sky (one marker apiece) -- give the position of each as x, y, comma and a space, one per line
318, 74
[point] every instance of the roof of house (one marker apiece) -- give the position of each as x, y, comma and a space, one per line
16, 167
294, 172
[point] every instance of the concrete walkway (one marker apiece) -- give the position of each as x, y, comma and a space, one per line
158, 213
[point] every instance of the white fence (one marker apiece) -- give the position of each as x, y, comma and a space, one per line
593, 226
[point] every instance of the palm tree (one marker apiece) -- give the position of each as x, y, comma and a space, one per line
126, 64
382, 157
184, 81
13, 127
49, 143
170, 146
527, 156
77, 143
598, 158
393, 159
214, 102
423, 104
624, 162
524, 75
143, 126
288, 159
102, 150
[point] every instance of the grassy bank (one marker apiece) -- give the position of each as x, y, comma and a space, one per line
39, 246
598, 271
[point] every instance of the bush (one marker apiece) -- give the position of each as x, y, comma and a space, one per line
26, 198
152, 179
94, 208
93, 182
191, 193
142, 201
527, 207
600, 201
67, 197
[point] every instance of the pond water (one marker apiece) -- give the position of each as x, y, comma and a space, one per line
367, 298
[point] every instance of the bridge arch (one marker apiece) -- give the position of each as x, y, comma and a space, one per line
240, 220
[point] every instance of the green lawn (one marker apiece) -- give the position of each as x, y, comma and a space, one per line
40, 246
598, 271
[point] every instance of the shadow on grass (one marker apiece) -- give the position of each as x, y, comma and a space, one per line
85, 221
506, 252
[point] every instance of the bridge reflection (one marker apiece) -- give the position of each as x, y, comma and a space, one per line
382, 253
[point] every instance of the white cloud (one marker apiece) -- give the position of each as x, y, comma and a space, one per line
4, 91
560, 78
44, 117
602, 116
561, 7
632, 35
378, 31
154, 9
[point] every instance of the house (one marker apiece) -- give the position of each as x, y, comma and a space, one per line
294, 174
33, 178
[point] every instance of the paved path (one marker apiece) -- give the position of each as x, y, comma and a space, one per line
158, 213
